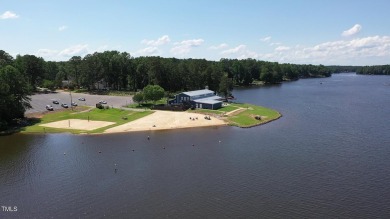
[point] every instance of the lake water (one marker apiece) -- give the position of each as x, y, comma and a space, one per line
327, 157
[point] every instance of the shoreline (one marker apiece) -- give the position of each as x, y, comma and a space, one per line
266, 122
157, 121
234, 114
153, 130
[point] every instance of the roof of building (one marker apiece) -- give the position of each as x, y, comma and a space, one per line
210, 100
198, 92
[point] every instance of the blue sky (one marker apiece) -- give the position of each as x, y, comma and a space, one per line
341, 32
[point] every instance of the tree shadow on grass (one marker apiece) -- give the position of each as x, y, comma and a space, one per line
141, 106
20, 125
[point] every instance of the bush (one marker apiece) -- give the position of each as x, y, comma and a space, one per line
99, 106
48, 84
138, 98
153, 93
3, 125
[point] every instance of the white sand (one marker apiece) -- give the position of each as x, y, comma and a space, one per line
160, 120
78, 124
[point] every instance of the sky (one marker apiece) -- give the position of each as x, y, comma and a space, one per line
328, 32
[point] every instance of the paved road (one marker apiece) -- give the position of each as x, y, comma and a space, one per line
39, 101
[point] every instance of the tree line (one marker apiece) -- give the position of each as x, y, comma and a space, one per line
120, 71
363, 70
342, 69
374, 70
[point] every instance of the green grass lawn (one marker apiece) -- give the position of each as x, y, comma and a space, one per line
246, 118
109, 115
228, 108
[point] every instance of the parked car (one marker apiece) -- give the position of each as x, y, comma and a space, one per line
55, 102
81, 98
74, 104
49, 107
103, 102
64, 105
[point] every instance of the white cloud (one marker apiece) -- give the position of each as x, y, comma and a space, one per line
9, 15
220, 46
62, 28
282, 48
77, 50
266, 39
148, 51
349, 51
358, 51
160, 41
275, 44
185, 46
374, 50
352, 31
46, 53
238, 49
240, 52
361, 47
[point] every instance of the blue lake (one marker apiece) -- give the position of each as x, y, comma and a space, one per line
327, 157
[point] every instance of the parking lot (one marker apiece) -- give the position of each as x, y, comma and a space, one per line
39, 101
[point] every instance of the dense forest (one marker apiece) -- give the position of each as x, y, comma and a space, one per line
374, 70
114, 70
363, 70
120, 71
342, 69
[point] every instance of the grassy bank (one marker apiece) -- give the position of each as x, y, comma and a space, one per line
243, 115
247, 116
110, 115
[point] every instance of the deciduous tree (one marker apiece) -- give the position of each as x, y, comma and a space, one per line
14, 93
153, 93
138, 98
226, 86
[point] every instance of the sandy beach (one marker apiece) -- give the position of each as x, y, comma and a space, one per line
161, 120
78, 124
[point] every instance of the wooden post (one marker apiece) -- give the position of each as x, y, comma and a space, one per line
71, 101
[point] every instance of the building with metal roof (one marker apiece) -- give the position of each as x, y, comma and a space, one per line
202, 99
